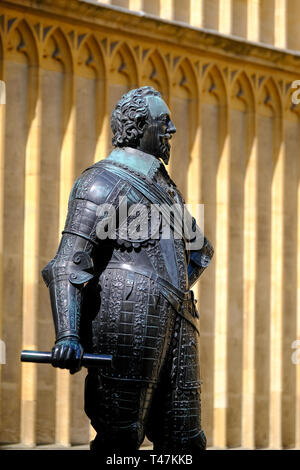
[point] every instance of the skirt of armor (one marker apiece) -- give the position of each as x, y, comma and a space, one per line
154, 386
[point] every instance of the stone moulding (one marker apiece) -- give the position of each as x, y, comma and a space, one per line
111, 17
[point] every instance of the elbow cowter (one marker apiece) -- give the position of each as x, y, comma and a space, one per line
199, 260
78, 270
64, 277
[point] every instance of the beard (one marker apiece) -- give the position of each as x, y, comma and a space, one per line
164, 149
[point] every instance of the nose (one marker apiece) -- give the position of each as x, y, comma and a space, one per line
171, 127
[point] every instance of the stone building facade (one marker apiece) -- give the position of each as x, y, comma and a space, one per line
226, 68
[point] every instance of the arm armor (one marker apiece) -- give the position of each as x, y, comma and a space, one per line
64, 276
72, 266
199, 259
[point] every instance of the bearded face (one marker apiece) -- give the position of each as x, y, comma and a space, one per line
164, 136
159, 130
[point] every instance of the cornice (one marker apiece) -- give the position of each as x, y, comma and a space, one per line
147, 26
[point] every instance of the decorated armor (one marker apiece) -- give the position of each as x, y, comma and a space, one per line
117, 293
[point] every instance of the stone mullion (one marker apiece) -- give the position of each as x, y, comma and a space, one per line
194, 170
225, 16
297, 332
265, 132
138, 67
197, 13
277, 253
2, 163
167, 9
195, 196
253, 20
136, 5
239, 111
63, 384
194, 175
250, 256
289, 283
280, 29
221, 295
17, 73
31, 253
78, 424
102, 121
293, 30
168, 96
169, 101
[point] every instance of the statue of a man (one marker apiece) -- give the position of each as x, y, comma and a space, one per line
127, 292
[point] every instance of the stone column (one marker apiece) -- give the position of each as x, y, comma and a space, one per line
30, 261
16, 76
267, 21
197, 13
152, 6
253, 20
292, 28
240, 134
211, 115
239, 18
225, 16
63, 384
167, 9
221, 294
266, 132
297, 332
280, 31
2, 173
136, 5
250, 266
277, 201
102, 119
291, 168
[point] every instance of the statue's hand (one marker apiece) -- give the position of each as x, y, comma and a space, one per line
67, 354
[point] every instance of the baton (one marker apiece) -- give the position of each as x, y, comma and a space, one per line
45, 357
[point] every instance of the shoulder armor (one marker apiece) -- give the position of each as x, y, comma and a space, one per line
94, 184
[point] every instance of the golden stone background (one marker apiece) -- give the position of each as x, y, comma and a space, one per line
225, 67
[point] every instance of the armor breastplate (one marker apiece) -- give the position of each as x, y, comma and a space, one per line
166, 257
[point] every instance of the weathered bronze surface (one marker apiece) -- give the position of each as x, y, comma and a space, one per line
130, 296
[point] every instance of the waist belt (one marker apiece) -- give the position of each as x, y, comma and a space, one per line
176, 297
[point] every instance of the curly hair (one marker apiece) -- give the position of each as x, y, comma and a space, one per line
130, 117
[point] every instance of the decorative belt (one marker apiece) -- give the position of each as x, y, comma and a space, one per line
175, 296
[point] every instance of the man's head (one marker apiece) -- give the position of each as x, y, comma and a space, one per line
141, 120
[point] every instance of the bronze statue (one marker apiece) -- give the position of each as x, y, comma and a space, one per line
126, 292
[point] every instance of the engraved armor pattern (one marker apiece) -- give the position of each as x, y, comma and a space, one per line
154, 387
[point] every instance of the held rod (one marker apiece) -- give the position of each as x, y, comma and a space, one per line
45, 357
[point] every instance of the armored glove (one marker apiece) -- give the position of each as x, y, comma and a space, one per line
67, 354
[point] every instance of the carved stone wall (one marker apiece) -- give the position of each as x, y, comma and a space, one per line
65, 64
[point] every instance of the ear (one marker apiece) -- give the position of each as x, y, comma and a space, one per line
141, 122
